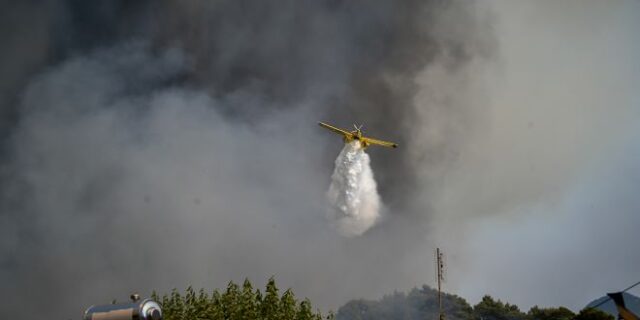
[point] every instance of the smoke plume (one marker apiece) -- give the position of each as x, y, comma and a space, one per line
353, 195
153, 145
150, 145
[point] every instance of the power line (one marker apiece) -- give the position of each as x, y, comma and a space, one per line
609, 298
629, 288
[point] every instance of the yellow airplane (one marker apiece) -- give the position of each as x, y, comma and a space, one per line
356, 134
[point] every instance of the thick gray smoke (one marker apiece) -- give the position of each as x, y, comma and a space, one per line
353, 194
160, 144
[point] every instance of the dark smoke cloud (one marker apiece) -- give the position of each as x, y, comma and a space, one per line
352, 61
158, 144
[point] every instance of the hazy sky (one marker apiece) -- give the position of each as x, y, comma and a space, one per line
159, 144
546, 193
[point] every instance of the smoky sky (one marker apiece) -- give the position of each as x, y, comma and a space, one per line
160, 144
544, 193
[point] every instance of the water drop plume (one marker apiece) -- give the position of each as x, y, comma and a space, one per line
354, 202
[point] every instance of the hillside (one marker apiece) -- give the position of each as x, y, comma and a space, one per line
419, 303
422, 303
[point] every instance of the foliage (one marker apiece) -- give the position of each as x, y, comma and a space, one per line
561, 313
417, 304
423, 304
237, 303
245, 303
490, 309
593, 314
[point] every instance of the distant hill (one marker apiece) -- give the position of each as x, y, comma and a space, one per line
422, 303
632, 303
419, 303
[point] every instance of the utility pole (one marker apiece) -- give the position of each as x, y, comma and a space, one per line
440, 278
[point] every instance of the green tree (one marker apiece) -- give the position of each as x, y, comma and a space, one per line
231, 302
560, 313
248, 302
419, 303
490, 309
190, 304
173, 305
270, 306
593, 314
305, 313
237, 304
215, 308
288, 308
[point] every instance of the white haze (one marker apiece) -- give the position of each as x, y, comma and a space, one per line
539, 207
353, 195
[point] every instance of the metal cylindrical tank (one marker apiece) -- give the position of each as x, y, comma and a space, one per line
146, 309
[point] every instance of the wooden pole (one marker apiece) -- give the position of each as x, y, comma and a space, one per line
440, 269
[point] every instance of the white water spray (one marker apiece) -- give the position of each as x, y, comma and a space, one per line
353, 196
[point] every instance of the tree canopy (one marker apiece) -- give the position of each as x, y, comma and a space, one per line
245, 303
423, 304
237, 303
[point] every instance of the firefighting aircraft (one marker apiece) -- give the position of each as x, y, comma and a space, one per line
356, 134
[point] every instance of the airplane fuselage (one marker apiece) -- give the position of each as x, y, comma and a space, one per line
349, 136
356, 135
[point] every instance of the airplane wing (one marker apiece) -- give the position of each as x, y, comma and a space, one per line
336, 130
380, 142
